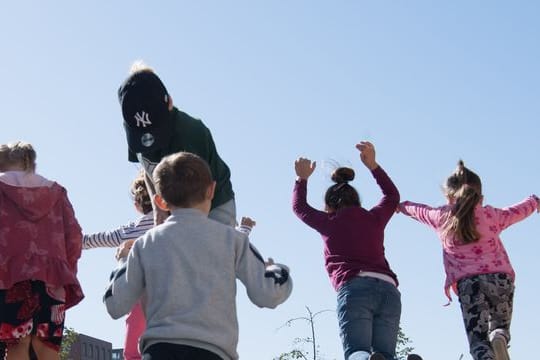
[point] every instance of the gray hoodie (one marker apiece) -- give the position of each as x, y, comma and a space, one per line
185, 271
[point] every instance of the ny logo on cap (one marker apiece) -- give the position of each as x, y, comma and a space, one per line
142, 119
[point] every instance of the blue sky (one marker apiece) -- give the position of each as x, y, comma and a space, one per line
427, 82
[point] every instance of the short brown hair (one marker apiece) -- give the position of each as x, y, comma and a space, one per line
182, 179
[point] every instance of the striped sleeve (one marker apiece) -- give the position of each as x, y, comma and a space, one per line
114, 238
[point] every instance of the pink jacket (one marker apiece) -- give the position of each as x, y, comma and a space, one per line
485, 256
40, 239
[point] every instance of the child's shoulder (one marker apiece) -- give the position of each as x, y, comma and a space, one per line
187, 119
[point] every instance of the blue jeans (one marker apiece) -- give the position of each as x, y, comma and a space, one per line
368, 311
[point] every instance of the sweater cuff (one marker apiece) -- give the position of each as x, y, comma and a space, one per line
377, 170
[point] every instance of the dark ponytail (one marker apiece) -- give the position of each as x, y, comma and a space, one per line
341, 194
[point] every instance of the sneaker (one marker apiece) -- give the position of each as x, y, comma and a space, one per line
377, 356
414, 357
500, 347
359, 355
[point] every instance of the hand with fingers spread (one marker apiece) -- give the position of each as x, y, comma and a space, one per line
367, 154
247, 221
304, 168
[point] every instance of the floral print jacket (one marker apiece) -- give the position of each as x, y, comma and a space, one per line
40, 238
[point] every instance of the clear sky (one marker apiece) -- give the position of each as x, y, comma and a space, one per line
428, 82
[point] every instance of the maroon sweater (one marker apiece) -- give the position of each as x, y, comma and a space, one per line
353, 237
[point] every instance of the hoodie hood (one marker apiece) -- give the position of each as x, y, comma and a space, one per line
32, 194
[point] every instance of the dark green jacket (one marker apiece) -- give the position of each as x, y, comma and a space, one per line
193, 136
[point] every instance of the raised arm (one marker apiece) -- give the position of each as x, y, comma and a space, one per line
388, 203
515, 213
425, 214
246, 225
309, 215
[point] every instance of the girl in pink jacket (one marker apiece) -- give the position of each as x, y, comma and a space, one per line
475, 261
40, 244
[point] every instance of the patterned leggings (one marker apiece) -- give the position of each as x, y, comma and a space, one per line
486, 305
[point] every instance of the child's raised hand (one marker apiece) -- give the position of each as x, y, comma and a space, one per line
269, 262
123, 250
367, 154
247, 221
304, 168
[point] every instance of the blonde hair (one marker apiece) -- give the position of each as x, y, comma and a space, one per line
18, 155
139, 66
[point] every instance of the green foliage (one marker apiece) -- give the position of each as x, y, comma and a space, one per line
403, 348
293, 354
69, 338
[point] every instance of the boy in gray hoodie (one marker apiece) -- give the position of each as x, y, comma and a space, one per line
185, 271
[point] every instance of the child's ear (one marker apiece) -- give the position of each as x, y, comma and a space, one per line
210, 191
160, 202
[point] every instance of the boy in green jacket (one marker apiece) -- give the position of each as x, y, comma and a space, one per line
155, 128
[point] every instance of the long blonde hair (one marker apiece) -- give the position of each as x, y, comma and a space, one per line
464, 189
18, 155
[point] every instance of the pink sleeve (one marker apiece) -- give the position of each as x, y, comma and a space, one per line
423, 213
515, 213
73, 234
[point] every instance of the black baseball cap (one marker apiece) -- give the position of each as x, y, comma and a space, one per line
145, 108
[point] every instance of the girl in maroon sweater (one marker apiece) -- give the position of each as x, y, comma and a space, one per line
369, 303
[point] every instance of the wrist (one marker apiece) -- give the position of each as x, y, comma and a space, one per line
372, 166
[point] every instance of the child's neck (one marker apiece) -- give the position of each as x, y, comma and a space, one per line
13, 168
202, 206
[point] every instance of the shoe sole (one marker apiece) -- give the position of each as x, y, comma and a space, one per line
500, 349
